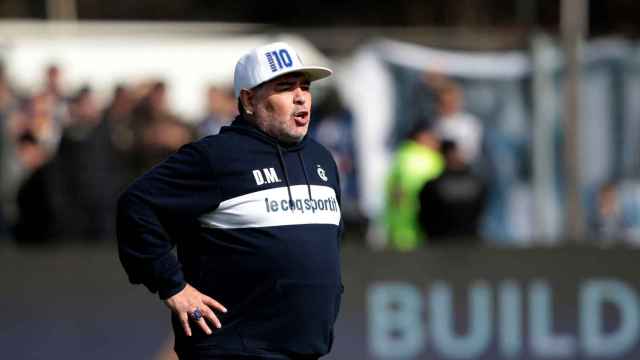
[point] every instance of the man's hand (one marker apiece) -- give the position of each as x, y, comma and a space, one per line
187, 301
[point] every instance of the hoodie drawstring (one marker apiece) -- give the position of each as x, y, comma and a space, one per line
306, 177
286, 176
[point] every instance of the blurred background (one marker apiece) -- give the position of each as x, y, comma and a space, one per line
488, 152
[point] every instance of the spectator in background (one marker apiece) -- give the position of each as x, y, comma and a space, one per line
53, 82
157, 131
84, 115
77, 182
53, 90
153, 104
452, 204
8, 107
221, 110
35, 223
616, 218
8, 99
116, 127
42, 123
453, 123
114, 146
30, 125
416, 161
161, 138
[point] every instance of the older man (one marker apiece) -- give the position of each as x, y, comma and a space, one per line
255, 215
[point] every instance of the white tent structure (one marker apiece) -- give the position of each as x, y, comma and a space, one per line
187, 57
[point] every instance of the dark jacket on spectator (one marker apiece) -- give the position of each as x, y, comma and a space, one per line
451, 205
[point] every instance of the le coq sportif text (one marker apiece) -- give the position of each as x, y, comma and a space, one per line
302, 205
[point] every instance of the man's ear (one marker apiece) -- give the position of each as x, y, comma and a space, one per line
246, 98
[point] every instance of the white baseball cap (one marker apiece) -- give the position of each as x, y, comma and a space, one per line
270, 61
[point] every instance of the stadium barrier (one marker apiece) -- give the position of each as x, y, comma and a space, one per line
439, 303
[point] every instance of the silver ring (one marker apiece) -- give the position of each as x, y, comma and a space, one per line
196, 315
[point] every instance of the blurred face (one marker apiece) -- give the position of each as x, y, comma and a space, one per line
53, 75
450, 101
281, 107
158, 98
607, 200
123, 101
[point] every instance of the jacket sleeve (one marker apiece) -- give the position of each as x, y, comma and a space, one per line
180, 188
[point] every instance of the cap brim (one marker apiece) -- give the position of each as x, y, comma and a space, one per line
313, 73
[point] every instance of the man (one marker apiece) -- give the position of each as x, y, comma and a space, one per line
452, 204
221, 110
255, 215
457, 125
416, 161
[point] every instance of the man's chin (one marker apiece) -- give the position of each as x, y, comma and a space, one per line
293, 138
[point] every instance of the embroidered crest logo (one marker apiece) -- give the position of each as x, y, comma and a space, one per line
322, 173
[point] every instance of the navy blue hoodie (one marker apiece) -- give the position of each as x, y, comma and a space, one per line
256, 224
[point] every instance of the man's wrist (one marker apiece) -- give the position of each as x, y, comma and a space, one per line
166, 293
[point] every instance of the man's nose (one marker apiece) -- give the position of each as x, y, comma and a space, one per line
298, 97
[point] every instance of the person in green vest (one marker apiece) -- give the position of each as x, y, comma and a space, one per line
416, 161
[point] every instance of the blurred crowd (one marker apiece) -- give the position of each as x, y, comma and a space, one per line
65, 158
